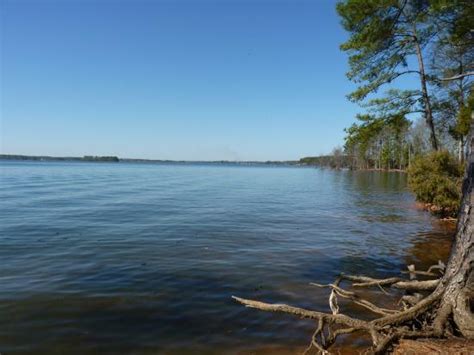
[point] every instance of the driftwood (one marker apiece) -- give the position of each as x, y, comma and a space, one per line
438, 308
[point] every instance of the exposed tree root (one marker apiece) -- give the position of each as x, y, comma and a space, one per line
416, 320
395, 282
340, 319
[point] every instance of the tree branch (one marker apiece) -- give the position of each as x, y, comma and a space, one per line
458, 77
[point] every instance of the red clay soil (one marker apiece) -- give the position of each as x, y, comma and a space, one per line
435, 346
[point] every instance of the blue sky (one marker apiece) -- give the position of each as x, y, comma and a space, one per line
194, 80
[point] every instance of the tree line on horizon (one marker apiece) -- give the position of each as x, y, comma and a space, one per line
431, 41
87, 158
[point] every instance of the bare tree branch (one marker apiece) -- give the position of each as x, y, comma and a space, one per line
458, 77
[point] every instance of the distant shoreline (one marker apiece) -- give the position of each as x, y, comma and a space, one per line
115, 159
315, 162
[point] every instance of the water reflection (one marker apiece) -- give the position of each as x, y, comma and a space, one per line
437, 242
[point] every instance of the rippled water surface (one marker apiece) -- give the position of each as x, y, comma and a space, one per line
144, 258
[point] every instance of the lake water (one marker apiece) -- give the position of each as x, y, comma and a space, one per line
144, 258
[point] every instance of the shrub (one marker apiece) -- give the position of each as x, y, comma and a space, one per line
436, 180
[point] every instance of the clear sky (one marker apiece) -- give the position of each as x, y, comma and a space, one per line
182, 79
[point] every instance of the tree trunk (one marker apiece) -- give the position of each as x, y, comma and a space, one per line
461, 105
424, 91
457, 285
